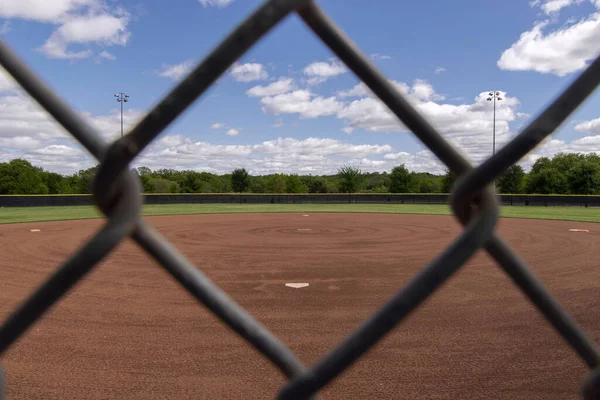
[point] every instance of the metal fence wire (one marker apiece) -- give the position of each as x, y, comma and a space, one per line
117, 193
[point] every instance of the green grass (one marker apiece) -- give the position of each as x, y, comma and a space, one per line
36, 214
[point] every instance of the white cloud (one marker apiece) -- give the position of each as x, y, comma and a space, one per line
468, 126
420, 90
19, 143
439, 70
217, 3
6, 81
320, 71
248, 72
80, 23
176, 71
232, 132
558, 52
379, 56
43, 10
283, 85
278, 124
312, 155
554, 6
302, 102
592, 126
217, 125
105, 29
422, 161
27, 131
107, 55
59, 150
5, 28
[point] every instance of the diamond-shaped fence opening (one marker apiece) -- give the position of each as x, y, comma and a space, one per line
117, 193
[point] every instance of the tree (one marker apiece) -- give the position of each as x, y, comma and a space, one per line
276, 183
584, 178
293, 184
546, 178
258, 184
162, 185
563, 162
315, 184
240, 181
84, 179
512, 180
547, 181
448, 180
21, 177
400, 180
191, 182
350, 179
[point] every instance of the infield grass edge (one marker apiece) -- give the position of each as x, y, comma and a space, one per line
10, 215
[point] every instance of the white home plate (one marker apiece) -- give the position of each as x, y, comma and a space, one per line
579, 230
297, 285
34, 230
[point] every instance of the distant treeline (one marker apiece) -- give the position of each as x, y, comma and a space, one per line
571, 173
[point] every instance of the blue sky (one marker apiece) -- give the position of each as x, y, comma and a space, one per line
289, 105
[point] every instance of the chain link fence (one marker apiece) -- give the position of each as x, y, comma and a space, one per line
473, 201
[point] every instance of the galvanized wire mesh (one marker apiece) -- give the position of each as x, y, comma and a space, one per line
117, 194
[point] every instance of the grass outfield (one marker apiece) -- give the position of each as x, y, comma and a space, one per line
36, 214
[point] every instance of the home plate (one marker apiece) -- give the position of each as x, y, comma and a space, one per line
297, 285
579, 230
305, 215
34, 230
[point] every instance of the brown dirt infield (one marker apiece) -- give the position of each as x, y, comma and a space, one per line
129, 331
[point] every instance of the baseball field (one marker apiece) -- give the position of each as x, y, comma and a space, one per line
129, 330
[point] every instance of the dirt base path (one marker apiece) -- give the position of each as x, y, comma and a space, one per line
130, 332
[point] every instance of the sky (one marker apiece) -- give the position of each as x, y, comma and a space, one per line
289, 105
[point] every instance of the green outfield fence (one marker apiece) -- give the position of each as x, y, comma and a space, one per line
332, 198
116, 191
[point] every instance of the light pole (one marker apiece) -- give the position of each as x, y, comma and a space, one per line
493, 96
121, 98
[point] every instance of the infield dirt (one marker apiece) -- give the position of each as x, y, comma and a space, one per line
130, 332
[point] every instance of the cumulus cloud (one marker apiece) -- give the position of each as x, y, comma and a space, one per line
311, 155
176, 71
27, 131
5, 28
560, 52
419, 90
217, 125
80, 23
6, 81
320, 71
379, 56
283, 85
550, 7
232, 132
302, 102
592, 126
468, 126
248, 72
215, 3
105, 54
